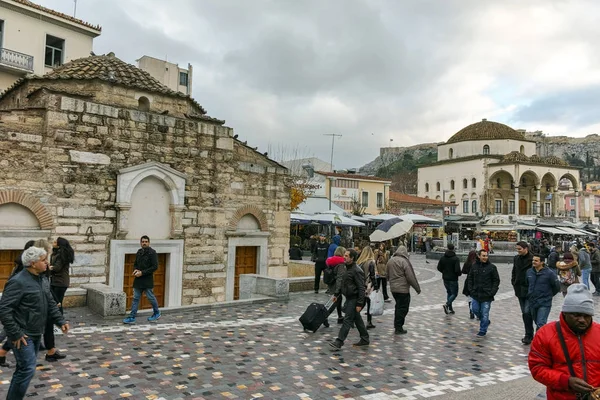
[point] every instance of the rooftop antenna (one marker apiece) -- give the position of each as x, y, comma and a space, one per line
74, 8
333, 136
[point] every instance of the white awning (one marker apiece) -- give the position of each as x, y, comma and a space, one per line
571, 231
551, 230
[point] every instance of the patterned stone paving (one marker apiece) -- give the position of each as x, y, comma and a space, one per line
257, 351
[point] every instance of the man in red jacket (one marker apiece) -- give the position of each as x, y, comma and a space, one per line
574, 367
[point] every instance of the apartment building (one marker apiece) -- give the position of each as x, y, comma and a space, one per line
171, 75
36, 39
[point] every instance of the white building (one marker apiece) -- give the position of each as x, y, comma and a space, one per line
490, 168
36, 39
171, 75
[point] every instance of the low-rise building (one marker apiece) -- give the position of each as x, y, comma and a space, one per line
401, 204
36, 39
589, 206
169, 74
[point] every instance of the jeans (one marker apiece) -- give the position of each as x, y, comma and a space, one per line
451, 292
137, 295
482, 310
526, 314
382, 284
352, 317
26, 358
585, 277
401, 309
540, 316
319, 267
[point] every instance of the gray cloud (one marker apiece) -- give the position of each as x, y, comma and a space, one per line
283, 73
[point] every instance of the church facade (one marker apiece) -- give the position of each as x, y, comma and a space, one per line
99, 152
490, 168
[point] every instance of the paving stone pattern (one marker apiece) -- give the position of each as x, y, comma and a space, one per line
260, 351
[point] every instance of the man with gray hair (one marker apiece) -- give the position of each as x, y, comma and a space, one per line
564, 355
25, 306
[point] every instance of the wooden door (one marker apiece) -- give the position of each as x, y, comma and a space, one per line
7, 264
245, 263
159, 282
523, 207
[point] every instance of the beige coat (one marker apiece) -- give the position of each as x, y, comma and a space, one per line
381, 259
400, 273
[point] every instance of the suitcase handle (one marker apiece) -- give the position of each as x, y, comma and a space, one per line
329, 302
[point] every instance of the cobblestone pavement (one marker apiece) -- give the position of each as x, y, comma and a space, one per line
260, 351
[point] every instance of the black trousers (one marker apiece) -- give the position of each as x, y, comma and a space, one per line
527, 318
59, 295
337, 305
319, 267
382, 284
595, 278
368, 305
352, 317
401, 309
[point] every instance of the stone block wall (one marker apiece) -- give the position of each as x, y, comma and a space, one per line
66, 151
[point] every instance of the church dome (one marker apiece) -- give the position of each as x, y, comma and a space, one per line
485, 130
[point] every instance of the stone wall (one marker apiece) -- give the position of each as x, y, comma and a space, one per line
66, 151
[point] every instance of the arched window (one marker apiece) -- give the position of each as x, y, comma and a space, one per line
450, 153
474, 206
427, 187
452, 184
486, 149
522, 149
498, 183
473, 183
465, 184
143, 104
437, 187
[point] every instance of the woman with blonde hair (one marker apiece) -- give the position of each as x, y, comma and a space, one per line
367, 262
382, 256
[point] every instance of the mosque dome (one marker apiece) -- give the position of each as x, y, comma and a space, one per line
486, 130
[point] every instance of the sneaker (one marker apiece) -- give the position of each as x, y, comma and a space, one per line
340, 321
336, 345
3, 362
55, 357
154, 317
480, 334
316, 292
451, 311
526, 340
361, 342
400, 331
326, 324
370, 326
445, 309
129, 320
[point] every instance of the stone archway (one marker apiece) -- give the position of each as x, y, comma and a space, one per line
34, 205
252, 210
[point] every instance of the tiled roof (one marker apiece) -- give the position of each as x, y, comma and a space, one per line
486, 130
58, 14
353, 176
407, 198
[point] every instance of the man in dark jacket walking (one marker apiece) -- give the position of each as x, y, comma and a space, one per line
521, 264
353, 288
25, 306
319, 257
595, 261
146, 262
552, 259
542, 284
449, 266
483, 281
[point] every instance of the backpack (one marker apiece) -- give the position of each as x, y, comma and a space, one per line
567, 277
329, 275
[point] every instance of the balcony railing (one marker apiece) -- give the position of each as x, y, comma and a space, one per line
16, 60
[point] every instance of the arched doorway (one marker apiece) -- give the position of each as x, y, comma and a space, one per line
522, 207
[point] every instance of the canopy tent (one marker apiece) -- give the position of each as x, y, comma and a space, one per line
300, 219
420, 219
380, 217
391, 229
570, 231
313, 205
335, 219
361, 219
550, 230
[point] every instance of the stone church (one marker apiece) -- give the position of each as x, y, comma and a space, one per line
101, 153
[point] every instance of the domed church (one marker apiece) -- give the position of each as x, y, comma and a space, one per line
490, 168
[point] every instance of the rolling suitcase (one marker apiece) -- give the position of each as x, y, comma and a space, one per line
315, 315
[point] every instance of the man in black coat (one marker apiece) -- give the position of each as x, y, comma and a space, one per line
449, 266
319, 257
521, 264
483, 281
146, 262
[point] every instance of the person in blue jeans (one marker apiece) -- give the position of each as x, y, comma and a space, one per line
449, 266
146, 262
585, 264
542, 284
483, 281
25, 306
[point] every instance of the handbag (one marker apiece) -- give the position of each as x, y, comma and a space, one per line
377, 303
580, 396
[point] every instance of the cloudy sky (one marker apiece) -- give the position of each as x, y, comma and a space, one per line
283, 73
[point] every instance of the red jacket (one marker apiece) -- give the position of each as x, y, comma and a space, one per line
547, 361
